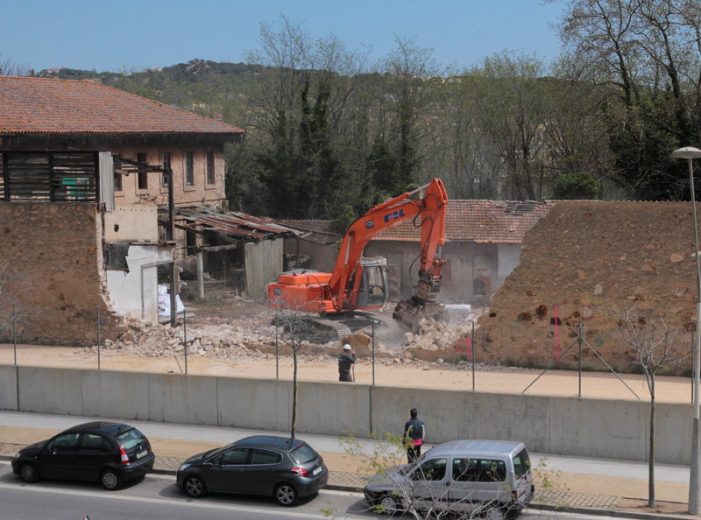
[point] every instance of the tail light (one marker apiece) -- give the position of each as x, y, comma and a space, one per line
124, 458
299, 470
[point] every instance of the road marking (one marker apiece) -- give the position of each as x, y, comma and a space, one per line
160, 501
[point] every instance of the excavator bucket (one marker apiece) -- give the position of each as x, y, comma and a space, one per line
411, 311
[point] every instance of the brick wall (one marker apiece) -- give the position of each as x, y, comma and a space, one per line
55, 259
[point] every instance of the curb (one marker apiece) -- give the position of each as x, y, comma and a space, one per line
541, 507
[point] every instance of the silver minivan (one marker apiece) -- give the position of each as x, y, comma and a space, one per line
492, 479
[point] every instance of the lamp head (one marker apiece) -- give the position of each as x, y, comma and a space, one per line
688, 152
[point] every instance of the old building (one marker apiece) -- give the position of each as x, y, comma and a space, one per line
82, 175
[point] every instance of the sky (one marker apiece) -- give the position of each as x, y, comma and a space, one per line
130, 35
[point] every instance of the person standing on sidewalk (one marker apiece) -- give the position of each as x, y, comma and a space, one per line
414, 434
345, 364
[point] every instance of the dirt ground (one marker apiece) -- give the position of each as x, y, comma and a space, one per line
235, 338
449, 377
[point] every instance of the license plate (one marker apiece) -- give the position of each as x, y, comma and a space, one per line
317, 470
141, 454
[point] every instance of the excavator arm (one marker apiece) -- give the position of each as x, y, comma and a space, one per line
427, 207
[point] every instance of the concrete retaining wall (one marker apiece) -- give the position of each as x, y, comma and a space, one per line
566, 426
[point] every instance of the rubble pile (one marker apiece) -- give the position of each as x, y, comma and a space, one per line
251, 334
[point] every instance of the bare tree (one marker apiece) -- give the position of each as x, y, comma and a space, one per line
657, 347
298, 332
9, 68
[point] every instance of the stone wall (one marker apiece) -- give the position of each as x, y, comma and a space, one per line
53, 254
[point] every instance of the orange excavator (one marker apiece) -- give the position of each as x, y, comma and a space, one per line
357, 284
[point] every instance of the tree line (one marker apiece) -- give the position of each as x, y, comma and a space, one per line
328, 134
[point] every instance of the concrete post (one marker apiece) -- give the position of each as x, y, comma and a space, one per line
200, 275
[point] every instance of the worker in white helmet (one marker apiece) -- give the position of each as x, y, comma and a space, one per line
345, 364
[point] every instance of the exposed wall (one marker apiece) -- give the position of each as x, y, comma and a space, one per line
263, 263
322, 257
54, 255
200, 192
566, 426
508, 257
466, 262
135, 292
137, 222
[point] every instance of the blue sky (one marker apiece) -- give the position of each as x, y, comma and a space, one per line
132, 35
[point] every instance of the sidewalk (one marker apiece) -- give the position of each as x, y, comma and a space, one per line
565, 483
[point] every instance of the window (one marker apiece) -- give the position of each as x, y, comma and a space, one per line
67, 441
211, 176
465, 470
235, 456
522, 464
433, 469
304, 454
117, 181
92, 441
142, 178
492, 471
189, 169
165, 163
265, 457
131, 438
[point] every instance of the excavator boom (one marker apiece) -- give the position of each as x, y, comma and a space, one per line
338, 291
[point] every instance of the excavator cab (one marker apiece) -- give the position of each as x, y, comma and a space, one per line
373, 290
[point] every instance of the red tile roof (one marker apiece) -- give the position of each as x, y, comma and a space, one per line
481, 221
43, 105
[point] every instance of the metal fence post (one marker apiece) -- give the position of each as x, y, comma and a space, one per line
580, 339
373, 351
185, 336
474, 353
98, 338
277, 357
14, 333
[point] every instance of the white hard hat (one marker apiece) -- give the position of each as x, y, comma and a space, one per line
347, 347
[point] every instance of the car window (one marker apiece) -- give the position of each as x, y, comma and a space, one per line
522, 463
131, 438
492, 470
465, 470
91, 441
432, 469
303, 454
65, 441
234, 456
265, 457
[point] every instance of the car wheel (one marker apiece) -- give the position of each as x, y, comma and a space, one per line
388, 505
110, 479
494, 513
195, 487
28, 473
285, 494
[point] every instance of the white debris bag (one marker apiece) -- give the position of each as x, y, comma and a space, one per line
164, 301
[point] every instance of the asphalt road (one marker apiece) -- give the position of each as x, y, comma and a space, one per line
156, 497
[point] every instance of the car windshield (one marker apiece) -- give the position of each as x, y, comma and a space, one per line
130, 438
303, 454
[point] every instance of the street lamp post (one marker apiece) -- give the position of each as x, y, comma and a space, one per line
689, 153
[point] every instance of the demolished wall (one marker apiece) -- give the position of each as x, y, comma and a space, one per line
53, 257
588, 258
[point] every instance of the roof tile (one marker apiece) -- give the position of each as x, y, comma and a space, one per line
481, 221
44, 105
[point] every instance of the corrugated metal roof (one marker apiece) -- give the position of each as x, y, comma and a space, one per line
235, 224
59, 106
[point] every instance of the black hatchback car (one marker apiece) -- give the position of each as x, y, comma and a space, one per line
111, 453
287, 469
